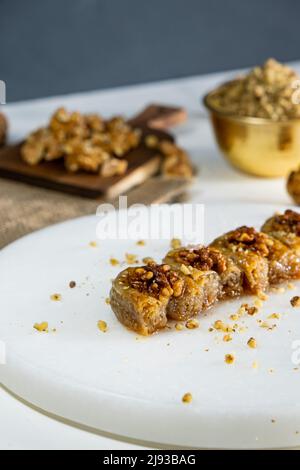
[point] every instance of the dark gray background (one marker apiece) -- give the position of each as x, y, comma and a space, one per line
57, 46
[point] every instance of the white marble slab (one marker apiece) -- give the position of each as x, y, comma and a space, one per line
217, 182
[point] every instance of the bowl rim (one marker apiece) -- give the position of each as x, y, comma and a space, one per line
245, 119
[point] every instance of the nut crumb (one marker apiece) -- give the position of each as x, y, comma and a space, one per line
295, 301
107, 300
102, 325
179, 326
187, 398
276, 316
254, 365
55, 297
227, 338
72, 284
131, 259
141, 243
192, 324
250, 310
41, 326
221, 326
229, 358
262, 296
252, 343
175, 243
234, 317
93, 244
114, 262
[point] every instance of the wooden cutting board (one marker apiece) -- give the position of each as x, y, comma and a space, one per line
143, 162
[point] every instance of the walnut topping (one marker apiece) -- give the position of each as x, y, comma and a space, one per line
176, 162
160, 281
203, 258
289, 221
175, 243
247, 238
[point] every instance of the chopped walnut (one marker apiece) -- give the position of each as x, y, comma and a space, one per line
41, 326
266, 92
160, 281
248, 238
250, 310
89, 143
229, 358
187, 398
192, 324
252, 343
55, 297
289, 222
151, 141
175, 243
102, 326
176, 162
295, 301
130, 258
227, 338
203, 258
85, 142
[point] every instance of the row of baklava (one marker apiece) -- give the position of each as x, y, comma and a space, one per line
192, 279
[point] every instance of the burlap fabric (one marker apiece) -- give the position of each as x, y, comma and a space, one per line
25, 208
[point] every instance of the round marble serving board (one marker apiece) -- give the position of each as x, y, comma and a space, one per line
129, 385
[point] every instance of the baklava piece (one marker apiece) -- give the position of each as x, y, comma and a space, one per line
139, 297
285, 228
284, 262
144, 298
3, 129
249, 250
203, 259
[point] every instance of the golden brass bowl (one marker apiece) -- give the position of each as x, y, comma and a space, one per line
258, 146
